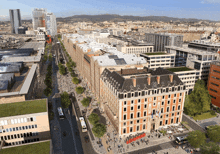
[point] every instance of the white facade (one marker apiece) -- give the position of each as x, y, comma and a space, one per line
39, 18
136, 49
51, 24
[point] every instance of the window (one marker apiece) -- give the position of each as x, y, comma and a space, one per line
145, 99
125, 109
132, 115
125, 102
166, 122
16, 128
177, 120
138, 121
179, 107
168, 109
180, 94
178, 113
168, 102
179, 100
31, 118
137, 128
144, 126
173, 108
35, 126
172, 114
139, 100
161, 123
124, 123
139, 107
155, 98
174, 95
174, 101
16, 121
162, 103
139, 94
132, 94
213, 90
171, 121
145, 113
131, 122
169, 96
163, 97
213, 96
214, 84
138, 114
125, 117
154, 104
124, 130
131, 129
161, 110
125, 95
132, 101
145, 106
216, 71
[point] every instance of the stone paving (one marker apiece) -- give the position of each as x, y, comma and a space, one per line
172, 151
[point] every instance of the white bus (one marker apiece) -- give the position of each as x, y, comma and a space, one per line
83, 124
60, 112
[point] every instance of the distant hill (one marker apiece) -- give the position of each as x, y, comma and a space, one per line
118, 18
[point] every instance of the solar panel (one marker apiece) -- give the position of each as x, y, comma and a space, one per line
113, 56
120, 61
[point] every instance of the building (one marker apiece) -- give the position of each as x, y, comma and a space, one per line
23, 123
194, 59
164, 39
187, 75
141, 100
51, 24
39, 18
214, 83
22, 30
159, 59
203, 45
15, 18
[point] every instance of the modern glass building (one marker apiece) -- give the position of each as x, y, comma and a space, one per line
15, 18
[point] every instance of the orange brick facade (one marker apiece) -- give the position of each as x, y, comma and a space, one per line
214, 83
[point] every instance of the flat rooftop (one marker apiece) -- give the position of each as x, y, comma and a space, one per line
22, 108
155, 53
179, 69
35, 148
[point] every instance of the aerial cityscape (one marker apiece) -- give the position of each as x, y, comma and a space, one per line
109, 82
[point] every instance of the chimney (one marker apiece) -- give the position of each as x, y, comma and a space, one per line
171, 78
134, 82
158, 79
148, 79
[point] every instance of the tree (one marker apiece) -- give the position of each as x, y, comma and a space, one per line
75, 80
79, 90
196, 138
99, 130
214, 133
62, 69
50, 57
93, 118
73, 64
65, 100
47, 91
85, 102
199, 100
210, 148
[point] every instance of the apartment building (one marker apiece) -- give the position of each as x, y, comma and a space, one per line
24, 122
204, 45
139, 49
51, 24
159, 59
141, 100
164, 39
214, 82
193, 58
187, 75
39, 18
92, 58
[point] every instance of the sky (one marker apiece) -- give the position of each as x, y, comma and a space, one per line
200, 9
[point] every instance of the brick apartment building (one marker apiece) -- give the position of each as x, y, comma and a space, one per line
214, 82
92, 58
141, 100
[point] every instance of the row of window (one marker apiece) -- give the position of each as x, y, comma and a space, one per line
145, 112
216, 71
214, 84
17, 128
144, 126
154, 104
17, 120
215, 78
213, 96
213, 90
21, 135
154, 92
22, 142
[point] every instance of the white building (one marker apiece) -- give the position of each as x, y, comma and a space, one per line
51, 24
39, 18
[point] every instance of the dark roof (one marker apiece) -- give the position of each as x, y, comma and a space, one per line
3, 84
126, 84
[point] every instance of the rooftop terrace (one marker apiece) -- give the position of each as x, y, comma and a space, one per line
155, 53
179, 69
21, 108
42, 147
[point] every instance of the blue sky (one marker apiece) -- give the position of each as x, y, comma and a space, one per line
201, 9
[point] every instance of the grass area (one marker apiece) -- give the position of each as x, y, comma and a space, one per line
206, 115
178, 69
43, 147
155, 53
21, 108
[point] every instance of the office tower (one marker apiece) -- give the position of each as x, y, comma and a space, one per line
15, 18
39, 17
51, 24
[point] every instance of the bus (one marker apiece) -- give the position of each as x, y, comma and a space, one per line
181, 140
83, 124
60, 112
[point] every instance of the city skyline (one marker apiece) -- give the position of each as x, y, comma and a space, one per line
200, 9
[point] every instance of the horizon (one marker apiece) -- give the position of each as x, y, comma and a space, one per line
197, 9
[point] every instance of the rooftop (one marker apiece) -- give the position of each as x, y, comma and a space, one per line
42, 147
155, 53
21, 108
179, 69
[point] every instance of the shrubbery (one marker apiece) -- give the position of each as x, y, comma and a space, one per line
79, 90
99, 130
75, 80
85, 102
62, 69
93, 118
65, 100
48, 81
